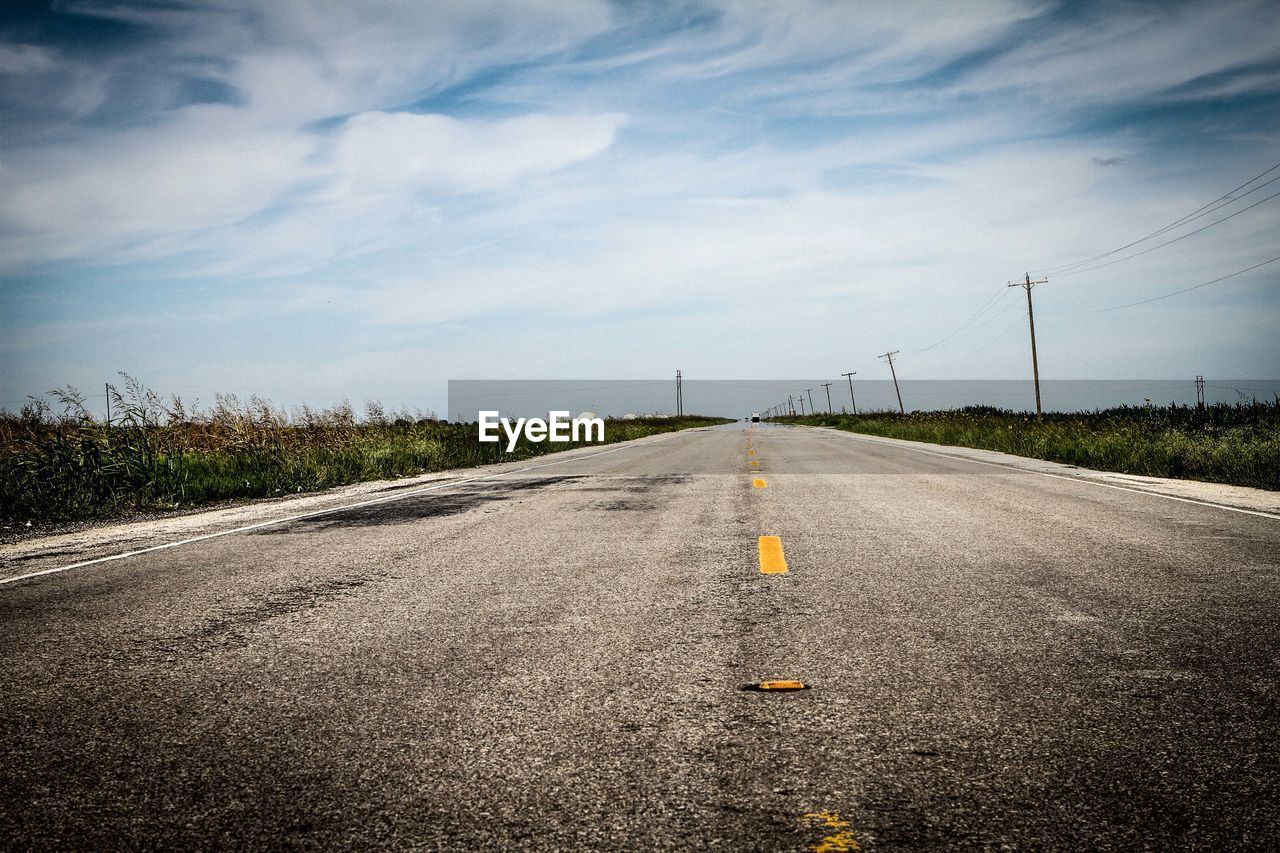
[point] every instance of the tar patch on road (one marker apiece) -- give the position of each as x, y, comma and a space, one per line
417, 507
232, 626
633, 494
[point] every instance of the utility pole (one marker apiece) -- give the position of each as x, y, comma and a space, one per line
801, 398
107, 387
1031, 318
1199, 392
827, 385
811, 409
679, 395
791, 406
890, 355
850, 376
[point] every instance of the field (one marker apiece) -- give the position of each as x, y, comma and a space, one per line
1224, 443
58, 463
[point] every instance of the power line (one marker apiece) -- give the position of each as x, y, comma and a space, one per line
1003, 333
966, 328
1212, 207
1175, 239
961, 327
968, 332
1177, 292
1217, 203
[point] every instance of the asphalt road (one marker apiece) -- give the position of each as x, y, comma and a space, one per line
554, 659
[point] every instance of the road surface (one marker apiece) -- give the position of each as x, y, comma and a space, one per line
551, 655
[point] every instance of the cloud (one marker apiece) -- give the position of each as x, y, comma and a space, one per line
877, 41
192, 174
295, 61
399, 152
24, 59
1130, 51
154, 171
138, 190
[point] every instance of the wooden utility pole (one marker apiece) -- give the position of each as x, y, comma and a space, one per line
852, 401
894, 373
809, 392
1199, 392
801, 398
1031, 318
679, 395
827, 385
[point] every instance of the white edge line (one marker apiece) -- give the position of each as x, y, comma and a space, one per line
906, 445
285, 519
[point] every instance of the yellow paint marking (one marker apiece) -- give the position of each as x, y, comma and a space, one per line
840, 841
759, 483
782, 684
772, 560
830, 820
755, 463
750, 452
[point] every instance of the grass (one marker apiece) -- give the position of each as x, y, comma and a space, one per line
58, 463
1223, 443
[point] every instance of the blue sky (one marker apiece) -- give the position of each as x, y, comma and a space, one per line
313, 201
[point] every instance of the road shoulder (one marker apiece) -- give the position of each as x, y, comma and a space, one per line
1235, 497
98, 541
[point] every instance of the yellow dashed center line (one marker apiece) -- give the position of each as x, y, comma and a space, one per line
772, 560
750, 452
841, 840
759, 483
755, 463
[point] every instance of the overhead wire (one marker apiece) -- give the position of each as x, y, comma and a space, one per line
967, 327
1223, 200
1003, 333
958, 329
1174, 240
1177, 292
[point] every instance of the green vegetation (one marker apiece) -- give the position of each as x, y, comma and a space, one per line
61, 465
1237, 444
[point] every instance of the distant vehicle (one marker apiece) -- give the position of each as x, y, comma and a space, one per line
755, 417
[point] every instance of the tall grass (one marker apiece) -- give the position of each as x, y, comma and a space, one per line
58, 463
1222, 443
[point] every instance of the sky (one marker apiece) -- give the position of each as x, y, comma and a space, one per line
313, 201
